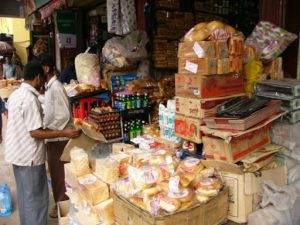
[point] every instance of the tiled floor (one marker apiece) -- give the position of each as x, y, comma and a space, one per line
6, 176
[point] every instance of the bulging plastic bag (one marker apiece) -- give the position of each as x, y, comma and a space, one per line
124, 53
5, 200
269, 40
88, 69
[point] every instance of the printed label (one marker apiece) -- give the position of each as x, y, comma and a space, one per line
174, 184
191, 162
183, 194
192, 67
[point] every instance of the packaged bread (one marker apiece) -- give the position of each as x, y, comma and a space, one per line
94, 190
174, 185
168, 204
106, 169
209, 187
152, 205
189, 165
152, 191
123, 161
80, 161
143, 177
186, 195
125, 187
186, 178
106, 211
205, 173
121, 147
186, 205
159, 157
202, 198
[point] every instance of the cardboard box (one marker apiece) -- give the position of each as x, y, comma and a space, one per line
208, 86
244, 188
238, 147
236, 46
62, 212
199, 49
222, 49
236, 64
195, 66
188, 128
198, 108
213, 212
223, 66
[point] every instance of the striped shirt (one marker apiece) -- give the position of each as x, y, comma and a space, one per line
24, 115
58, 114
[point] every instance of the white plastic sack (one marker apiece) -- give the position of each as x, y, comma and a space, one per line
125, 52
88, 69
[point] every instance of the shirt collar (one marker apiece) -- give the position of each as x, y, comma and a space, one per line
51, 81
30, 88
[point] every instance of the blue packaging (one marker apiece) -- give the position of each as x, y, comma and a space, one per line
5, 200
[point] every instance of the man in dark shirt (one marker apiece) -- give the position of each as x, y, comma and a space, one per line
69, 73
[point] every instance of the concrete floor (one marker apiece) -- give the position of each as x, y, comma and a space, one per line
7, 177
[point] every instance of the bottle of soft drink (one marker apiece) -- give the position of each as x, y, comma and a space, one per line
145, 100
138, 128
126, 133
132, 131
117, 101
128, 103
132, 101
138, 101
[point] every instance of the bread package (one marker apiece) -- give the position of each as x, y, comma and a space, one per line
186, 195
94, 190
106, 169
106, 211
189, 165
123, 161
80, 161
209, 187
168, 204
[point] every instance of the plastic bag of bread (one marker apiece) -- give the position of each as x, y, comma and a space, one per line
189, 165
186, 195
170, 205
152, 205
125, 187
106, 211
214, 30
209, 186
88, 69
80, 160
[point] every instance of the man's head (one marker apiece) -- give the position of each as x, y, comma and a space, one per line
34, 74
48, 64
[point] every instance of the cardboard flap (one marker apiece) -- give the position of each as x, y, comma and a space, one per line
223, 166
253, 181
83, 141
93, 134
228, 134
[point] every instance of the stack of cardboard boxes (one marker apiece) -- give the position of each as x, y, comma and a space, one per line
207, 76
210, 73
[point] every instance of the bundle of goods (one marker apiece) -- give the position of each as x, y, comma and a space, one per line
88, 194
267, 42
287, 90
167, 87
124, 53
209, 73
88, 68
164, 53
264, 45
167, 122
131, 100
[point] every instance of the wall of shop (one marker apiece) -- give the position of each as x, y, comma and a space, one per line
16, 26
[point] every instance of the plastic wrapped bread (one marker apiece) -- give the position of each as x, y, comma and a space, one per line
106, 169
80, 161
106, 211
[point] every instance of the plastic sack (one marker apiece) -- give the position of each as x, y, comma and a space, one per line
253, 70
124, 53
269, 40
5, 200
88, 69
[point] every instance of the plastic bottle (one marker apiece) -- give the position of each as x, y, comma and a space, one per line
138, 128
145, 100
128, 103
126, 133
138, 101
133, 101
132, 131
117, 101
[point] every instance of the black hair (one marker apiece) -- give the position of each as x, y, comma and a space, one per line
32, 69
46, 60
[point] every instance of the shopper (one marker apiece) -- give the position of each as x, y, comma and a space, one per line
58, 116
69, 73
25, 149
9, 69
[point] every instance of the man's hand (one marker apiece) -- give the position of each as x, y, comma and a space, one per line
72, 132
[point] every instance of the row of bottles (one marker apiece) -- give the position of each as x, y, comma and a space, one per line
132, 129
131, 101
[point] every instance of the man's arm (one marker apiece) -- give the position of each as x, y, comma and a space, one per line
48, 134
